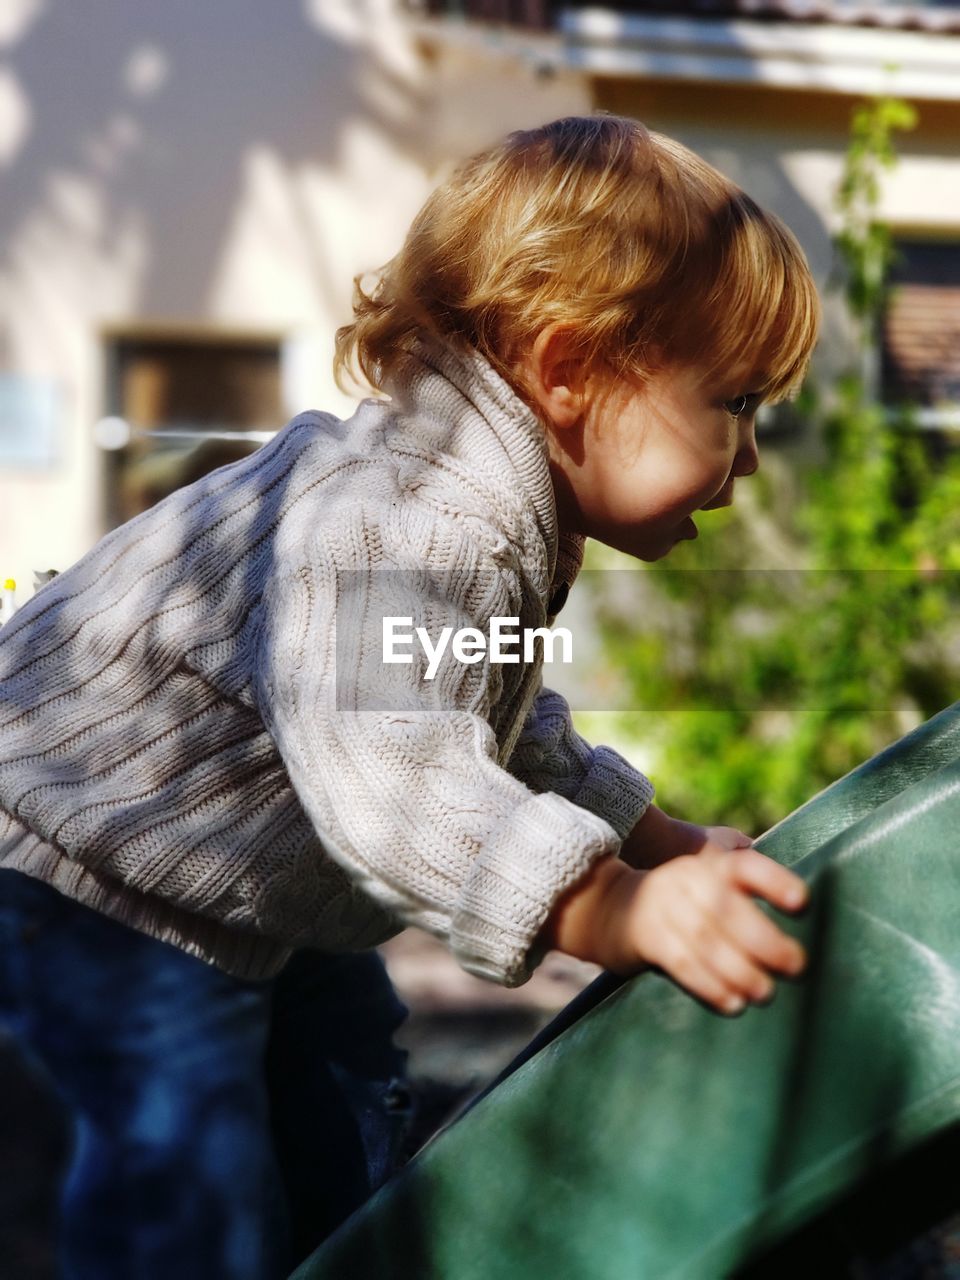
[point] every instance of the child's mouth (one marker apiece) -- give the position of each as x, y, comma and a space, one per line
723, 499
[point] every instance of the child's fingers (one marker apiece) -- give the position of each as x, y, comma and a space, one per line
738, 839
689, 968
698, 952
728, 838
740, 976
700, 923
759, 874
737, 943
760, 938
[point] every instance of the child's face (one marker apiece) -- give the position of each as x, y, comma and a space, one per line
648, 457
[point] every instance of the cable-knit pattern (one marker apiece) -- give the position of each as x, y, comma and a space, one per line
198, 735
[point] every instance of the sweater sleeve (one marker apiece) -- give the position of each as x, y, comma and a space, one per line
551, 756
397, 770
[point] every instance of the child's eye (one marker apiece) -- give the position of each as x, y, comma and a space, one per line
736, 406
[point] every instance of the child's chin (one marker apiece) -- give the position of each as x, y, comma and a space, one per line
685, 532
653, 544
650, 555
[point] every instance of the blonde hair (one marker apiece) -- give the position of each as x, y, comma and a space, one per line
649, 254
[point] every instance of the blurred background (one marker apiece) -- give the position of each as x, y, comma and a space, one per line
189, 190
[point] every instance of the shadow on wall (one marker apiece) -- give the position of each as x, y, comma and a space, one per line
130, 138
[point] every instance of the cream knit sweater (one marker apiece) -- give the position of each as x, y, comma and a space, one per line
198, 736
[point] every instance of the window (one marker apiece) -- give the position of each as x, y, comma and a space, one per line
920, 339
191, 402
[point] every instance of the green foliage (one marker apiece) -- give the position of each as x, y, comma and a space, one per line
864, 243
758, 688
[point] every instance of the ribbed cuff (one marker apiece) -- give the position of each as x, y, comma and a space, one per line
543, 848
614, 790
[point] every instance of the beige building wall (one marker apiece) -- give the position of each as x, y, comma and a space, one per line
215, 171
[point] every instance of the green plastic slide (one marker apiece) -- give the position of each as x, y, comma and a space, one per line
655, 1138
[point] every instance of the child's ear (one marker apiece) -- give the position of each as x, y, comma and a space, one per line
553, 375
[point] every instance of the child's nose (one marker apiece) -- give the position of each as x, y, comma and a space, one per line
747, 460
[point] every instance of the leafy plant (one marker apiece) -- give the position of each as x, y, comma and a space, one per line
864, 243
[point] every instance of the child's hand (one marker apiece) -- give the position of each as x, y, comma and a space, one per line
724, 838
692, 916
657, 838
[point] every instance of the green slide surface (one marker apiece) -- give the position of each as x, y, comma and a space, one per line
656, 1138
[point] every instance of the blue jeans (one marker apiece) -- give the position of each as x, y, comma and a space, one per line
221, 1128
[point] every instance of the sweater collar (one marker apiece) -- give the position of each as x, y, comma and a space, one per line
452, 381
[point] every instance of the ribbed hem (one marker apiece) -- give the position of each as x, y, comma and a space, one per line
544, 847
614, 790
243, 955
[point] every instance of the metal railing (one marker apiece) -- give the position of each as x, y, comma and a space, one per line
534, 15
543, 15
